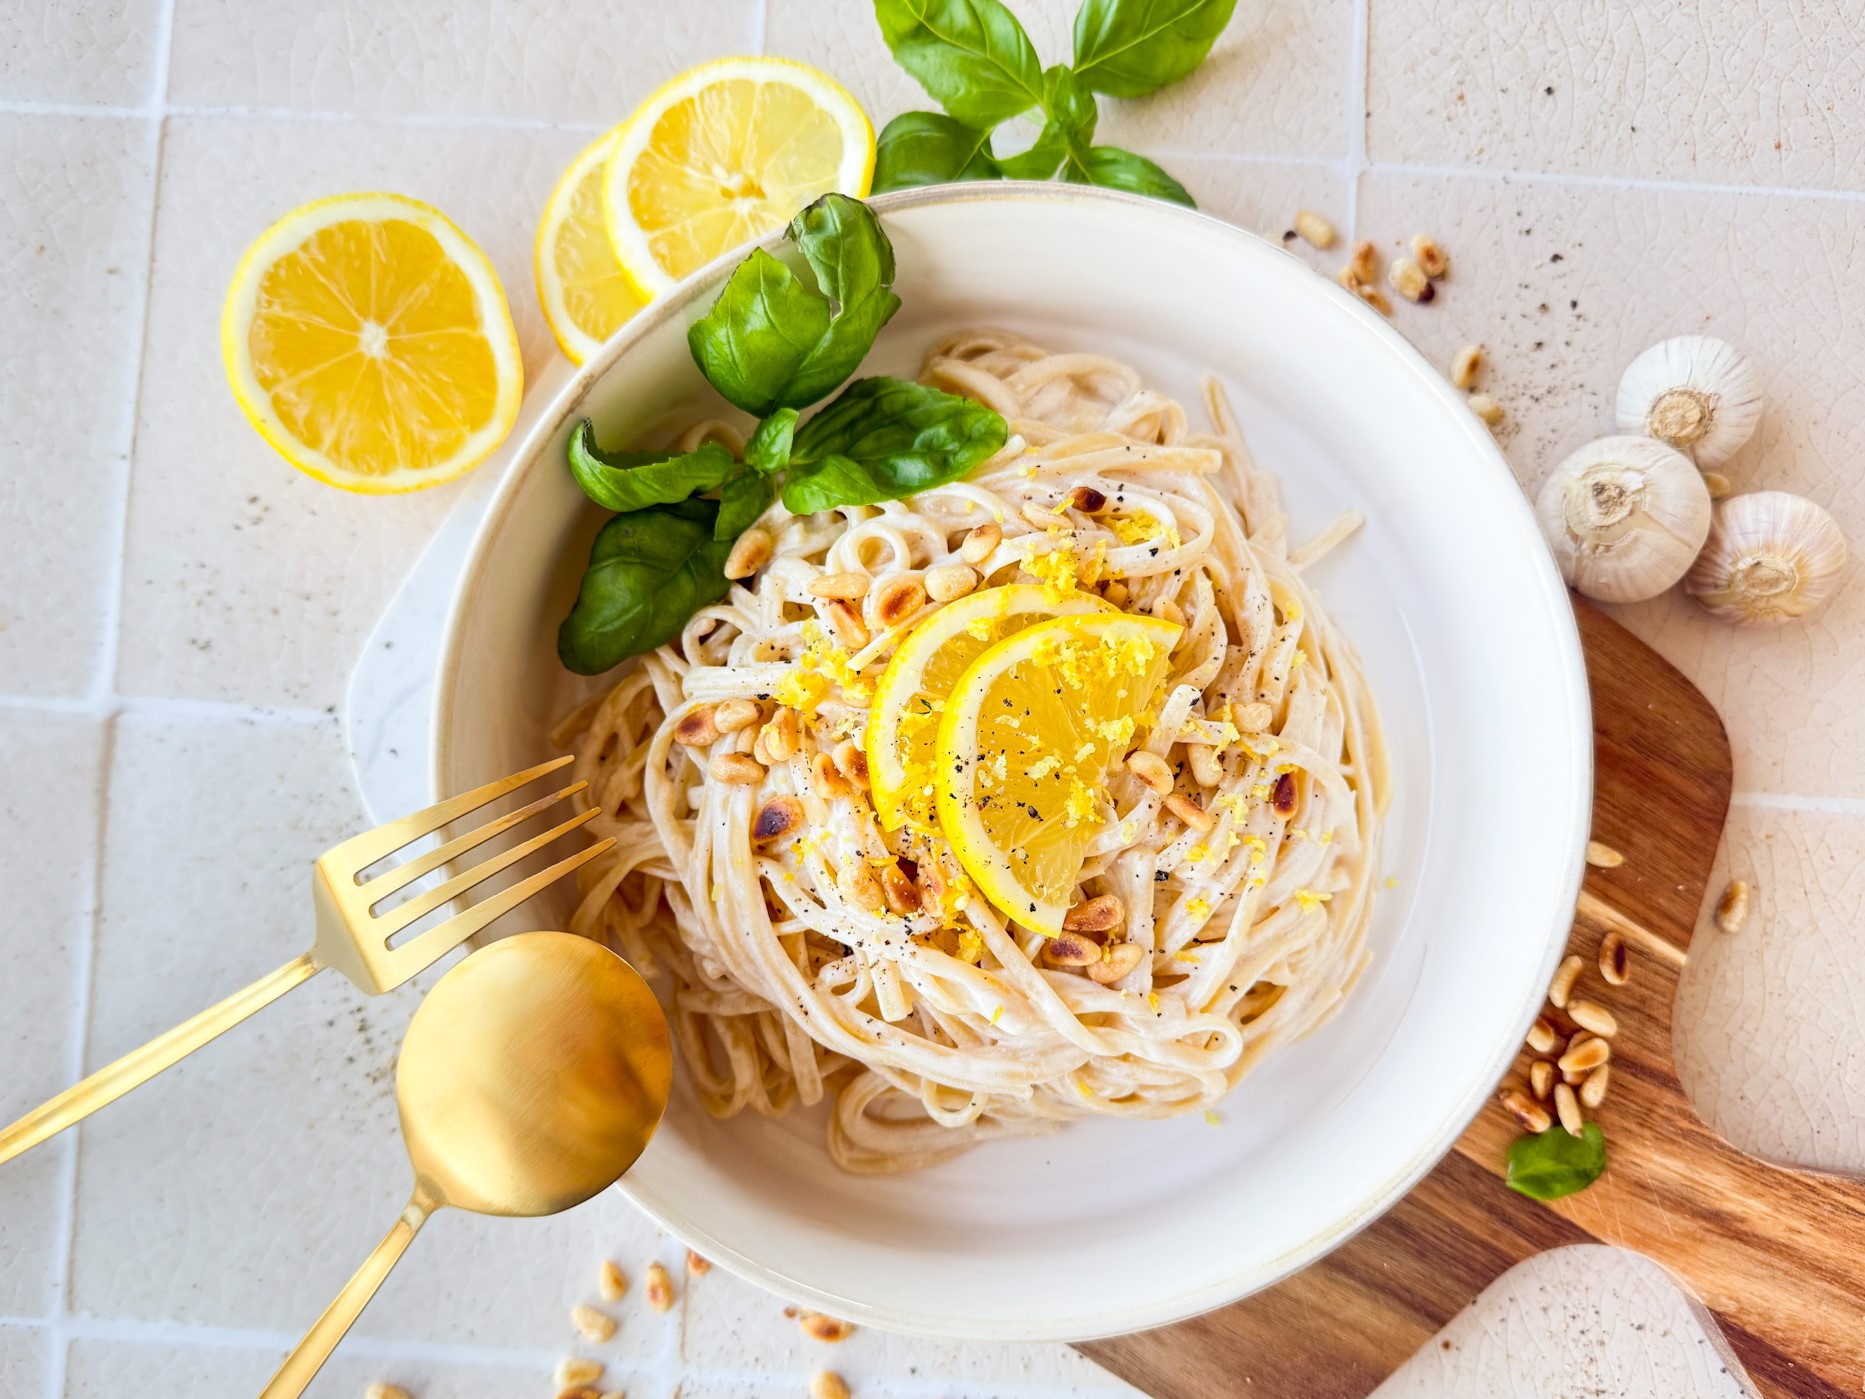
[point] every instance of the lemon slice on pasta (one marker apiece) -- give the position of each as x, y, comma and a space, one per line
1024, 746
903, 725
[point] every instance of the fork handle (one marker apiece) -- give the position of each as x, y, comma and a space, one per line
140, 1065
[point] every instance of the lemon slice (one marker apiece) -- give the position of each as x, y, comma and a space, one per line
724, 154
903, 722
1024, 747
584, 292
368, 340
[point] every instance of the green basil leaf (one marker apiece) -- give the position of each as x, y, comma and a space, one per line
634, 480
842, 241
1114, 168
930, 148
769, 447
1128, 48
971, 55
1071, 116
649, 571
1556, 1163
758, 333
743, 498
883, 439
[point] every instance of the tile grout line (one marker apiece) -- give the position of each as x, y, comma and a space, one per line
1354, 164
760, 26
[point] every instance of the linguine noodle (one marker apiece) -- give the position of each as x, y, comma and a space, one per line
942, 1026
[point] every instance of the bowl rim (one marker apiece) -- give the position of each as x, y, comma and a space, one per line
1483, 1076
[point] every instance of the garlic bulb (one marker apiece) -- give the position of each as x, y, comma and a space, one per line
1695, 393
1771, 557
1625, 516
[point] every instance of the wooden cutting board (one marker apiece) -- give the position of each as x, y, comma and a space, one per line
1775, 1255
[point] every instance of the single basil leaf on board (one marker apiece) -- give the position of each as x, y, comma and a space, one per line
930, 148
649, 571
1556, 1163
769, 447
1128, 48
1071, 115
884, 439
842, 241
971, 55
758, 334
741, 500
1113, 168
623, 481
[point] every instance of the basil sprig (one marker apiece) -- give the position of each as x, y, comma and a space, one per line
1556, 1163
973, 57
772, 345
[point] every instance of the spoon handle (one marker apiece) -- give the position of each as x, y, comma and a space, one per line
302, 1365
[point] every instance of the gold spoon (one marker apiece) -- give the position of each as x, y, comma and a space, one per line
531, 1078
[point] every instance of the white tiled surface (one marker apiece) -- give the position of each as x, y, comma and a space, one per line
178, 611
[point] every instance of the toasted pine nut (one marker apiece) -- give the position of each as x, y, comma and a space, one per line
827, 778
1584, 1058
697, 1265
950, 581
1087, 500
852, 761
1101, 914
735, 714
1119, 961
1347, 279
1593, 1091
782, 736
578, 1369
752, 551
738, 769
1071, 950
898, 599
849, 628
1541, 1035
898, 891
1541, 1079
861, 888
1409, 280
1190, 813
1565, 976
847, 586
777, 818
1207, 771
697, 728
1043, 518
1530, 1114
1615, 967
823, 1328
594, 1326
1432, 260
1255, 717
383, 1390
659, 1288
1314, 229
1373, 297
1465, 365
1602, 856
1732, 907
1568, 1107
1282, 795
1591, 1015
980, 542
1486, 408
932, 890
610, 1282
1718, 484
1363, 262
1151, 769
1115, 592
826, 1384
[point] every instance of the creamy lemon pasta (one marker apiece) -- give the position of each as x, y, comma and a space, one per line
1046, 793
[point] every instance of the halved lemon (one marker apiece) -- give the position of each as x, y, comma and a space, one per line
1024, 747
724, 154
903, 722
368, 340
584, 292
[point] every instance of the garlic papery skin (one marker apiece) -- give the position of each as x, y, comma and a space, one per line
1625, 516
1695, 393
1771, 557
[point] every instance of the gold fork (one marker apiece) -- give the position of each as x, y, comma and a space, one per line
350, 936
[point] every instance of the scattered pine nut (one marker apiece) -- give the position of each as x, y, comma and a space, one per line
1255, 717
1151, 769
827, 778
1119, 961
1101, 914
752, 551
696, 728
1465, 365
1541, 1035
1603, 856
777, 818
827, 1329
898, 891
697, 1265
1115, 592
847, 586
850, 630
1486, 408
1568, 1107
1564, 978
1409, 280
1088, 500
736, 714
1593, 1091
1363, 262
950, 581
1615, 967
1207, 771
1732, 907
979, 543
1530, 1114
1591, 1015
1282, 795
594, 1326
1718, 484
826, 1384
578, 1369
852, 761
580, 1391
898, 599
1071, 950
1373, 297
782, 736
383, 1390
1432, 260
610, 1281
659, 1288
737, 769
1541, 1079
1582, 1058
1314, 230
1188, 811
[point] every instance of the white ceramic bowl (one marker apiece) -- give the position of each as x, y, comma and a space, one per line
1471, 648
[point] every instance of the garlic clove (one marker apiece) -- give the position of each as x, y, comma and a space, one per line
1695, 393
1771, 557
1625, 517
